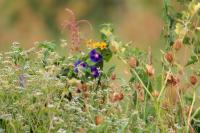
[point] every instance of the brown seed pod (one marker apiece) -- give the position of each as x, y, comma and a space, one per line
132, 62
172, 79
113, 76
98, 119
120, 96
193, 79
114, 97
150, 70
82, 86
137, 86
169, 57
177, 45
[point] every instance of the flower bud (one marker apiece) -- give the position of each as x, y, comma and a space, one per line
150, 70
169, 57
177, 45
132, 62
113, 76
193, 79
98, 120
120, 96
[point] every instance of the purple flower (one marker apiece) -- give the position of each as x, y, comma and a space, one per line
95, 56
79, 63
94, 71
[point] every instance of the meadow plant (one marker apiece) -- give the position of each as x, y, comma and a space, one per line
43, 91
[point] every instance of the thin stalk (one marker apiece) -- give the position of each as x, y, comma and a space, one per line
146, 89
190, 111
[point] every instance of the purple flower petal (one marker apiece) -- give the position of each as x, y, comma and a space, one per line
77, 64
95, 56
94, 71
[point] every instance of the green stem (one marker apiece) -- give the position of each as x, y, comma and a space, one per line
146, 89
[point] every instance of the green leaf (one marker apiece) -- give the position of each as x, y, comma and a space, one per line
193, 59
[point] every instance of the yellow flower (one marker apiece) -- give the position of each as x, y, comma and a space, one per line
102, 45
92, 44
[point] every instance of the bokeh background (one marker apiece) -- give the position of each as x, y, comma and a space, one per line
28, 21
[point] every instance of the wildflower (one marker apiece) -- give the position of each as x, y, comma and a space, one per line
150, 70
177, 45
94, 71
89, 43
79, 63
102, 45
169, 57
98, 119
95, 56
132, 62
193, 79
92, 44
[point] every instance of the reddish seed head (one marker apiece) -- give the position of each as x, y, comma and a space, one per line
171, 79
113, 76
169, 57
98, 120
150, 70
177, 45
114, 97
132, 62
193, 79
120, 96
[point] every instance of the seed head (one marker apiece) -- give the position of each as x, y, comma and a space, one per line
150, 70
193, 79
98, 119
169, 57
177, 45
132, 62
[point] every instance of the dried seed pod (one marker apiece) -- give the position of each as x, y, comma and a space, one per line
98, 119
169, 57
172, 79
193, 79
177, 45
114, 97
82, 86
132, 62
150, 70
138, 86
113, 76
120, 96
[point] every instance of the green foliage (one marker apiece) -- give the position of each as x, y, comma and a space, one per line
42, 91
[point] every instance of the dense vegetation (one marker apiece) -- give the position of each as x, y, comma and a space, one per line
44, 91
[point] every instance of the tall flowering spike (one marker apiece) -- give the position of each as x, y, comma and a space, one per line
95, 56
74, 29
94, 71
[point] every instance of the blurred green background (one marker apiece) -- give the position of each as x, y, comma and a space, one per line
28, 21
